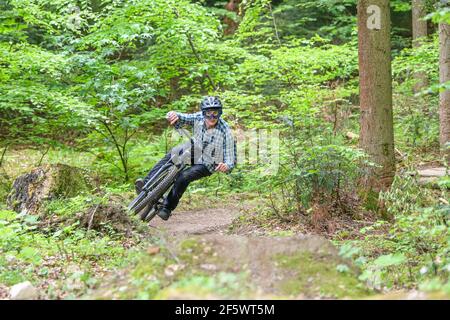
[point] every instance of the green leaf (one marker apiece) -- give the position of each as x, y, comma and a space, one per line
390, 260
30, 254
342, 268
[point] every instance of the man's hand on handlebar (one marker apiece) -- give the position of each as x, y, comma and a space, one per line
172, 117
222, 167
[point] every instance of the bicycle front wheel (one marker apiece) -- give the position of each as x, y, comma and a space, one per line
159, 190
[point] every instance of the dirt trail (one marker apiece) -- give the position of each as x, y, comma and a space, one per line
206, 221
195, 255
296, 266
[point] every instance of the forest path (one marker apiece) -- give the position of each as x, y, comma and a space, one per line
302, 266
196, 222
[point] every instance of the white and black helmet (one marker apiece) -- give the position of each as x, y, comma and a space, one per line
209, 103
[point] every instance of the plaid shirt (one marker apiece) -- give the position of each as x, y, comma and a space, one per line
218, 142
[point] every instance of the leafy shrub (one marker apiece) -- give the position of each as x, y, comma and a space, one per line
415, 247
325, 176
327, 172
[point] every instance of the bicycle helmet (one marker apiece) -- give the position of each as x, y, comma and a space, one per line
210, 103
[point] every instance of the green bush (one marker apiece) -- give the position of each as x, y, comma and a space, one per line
414, 248
325, 175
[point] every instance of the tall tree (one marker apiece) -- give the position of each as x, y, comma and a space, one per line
444, 108
377, 132
232, 25
419, 28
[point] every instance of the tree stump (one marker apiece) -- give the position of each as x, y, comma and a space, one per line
31, 190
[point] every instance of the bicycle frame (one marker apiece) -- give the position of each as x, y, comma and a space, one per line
185, 153
178, 158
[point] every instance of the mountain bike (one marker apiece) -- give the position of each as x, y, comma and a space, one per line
150, 199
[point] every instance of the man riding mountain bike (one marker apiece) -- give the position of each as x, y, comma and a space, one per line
218, 151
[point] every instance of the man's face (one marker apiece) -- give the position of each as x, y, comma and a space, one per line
211, 117
211, 122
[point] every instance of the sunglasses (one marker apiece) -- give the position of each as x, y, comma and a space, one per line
212, 114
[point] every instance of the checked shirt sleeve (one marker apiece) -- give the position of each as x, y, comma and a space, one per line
187, 119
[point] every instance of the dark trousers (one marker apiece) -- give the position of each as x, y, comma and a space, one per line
194, 172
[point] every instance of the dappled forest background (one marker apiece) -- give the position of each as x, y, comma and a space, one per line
88, 84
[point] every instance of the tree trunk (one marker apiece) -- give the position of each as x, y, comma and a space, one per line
419, 28
233, 6
377, 132
444, 107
